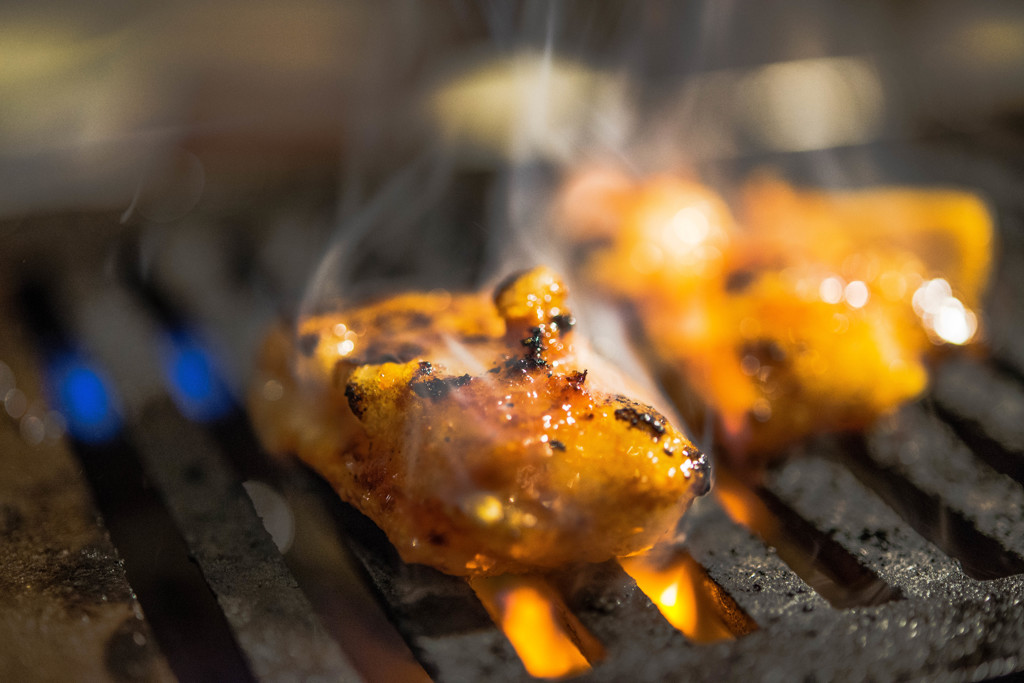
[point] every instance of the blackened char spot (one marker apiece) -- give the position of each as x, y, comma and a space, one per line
436, 388
308, 343
576, 379
766, 351
11, 520
556, 445
380, 354
425, 368
535, 347
640, 417
401, 320
738, 280
563, 322
526, 364
81, 580
417, 320
355, 400
879, 535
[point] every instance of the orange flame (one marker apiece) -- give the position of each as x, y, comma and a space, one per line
744, 507
527, 610
677, 588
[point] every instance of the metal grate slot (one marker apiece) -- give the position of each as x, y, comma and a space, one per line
916, 464
272, 620
843, 580
828, 496
440, 617
192, 632
611, 606
825, 565
753, 575
986, 409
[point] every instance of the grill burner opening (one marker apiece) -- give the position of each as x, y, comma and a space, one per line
687, 598
549, 640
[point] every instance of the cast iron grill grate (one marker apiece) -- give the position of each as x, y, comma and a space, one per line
918, 525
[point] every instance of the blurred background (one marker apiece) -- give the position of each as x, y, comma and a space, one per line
169, 110
304, 112
242, 140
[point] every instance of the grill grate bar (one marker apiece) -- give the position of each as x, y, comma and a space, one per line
1003, 307
439, 615
272, 621
969, 633
63, 583
986, 408
904, 640
763, 586
609, 604
824, 493
923, 450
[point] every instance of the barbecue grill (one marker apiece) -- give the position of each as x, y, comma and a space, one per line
146, 537
895, 554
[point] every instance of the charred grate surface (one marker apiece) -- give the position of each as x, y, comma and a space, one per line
751, 573
822, 492
924, 451
439, 615
940, 624
985, 406
271, 619
909, 503
611, 606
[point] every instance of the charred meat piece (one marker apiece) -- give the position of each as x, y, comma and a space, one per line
476, 431
811, 311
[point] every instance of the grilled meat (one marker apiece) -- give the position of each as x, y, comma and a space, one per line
813, 311
477, 432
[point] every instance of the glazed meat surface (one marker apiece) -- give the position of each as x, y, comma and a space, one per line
808, 311
476, 431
